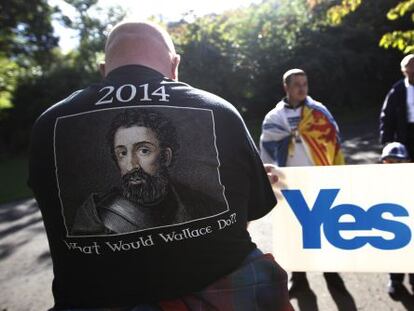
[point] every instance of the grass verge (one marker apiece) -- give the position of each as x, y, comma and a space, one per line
13, 177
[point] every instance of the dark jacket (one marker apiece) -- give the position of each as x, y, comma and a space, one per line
393, 118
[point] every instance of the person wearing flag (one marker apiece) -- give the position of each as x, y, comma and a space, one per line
300, 131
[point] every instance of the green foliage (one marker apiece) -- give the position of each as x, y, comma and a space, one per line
34, 94
242, 54
231, 54
26, 42
9, 71
26, 32
401, 9
337, 12
92, 30
207, 43
13, 173
28, 87
402, 40
239, 55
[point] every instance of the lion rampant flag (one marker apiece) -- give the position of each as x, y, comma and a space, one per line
320, 135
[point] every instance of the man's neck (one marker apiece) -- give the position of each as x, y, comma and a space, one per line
294, 104
408, 82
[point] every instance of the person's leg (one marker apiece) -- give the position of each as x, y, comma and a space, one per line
258, 284
397, 277
409, 144
300, 276
411, 278
297, 283
411, 281
395, 286
334, 280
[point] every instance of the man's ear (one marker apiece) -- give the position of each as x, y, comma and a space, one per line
174, 66
102, 69
167, 156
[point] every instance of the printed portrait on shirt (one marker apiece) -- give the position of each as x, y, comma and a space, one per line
132, 169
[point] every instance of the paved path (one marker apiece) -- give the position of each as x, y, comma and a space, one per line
25, 264
26, 271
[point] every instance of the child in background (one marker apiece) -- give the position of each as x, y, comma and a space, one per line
396, 153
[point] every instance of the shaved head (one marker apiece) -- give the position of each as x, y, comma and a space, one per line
141, 43
406, 60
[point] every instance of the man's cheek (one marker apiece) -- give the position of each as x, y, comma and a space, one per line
123, 167
150, 167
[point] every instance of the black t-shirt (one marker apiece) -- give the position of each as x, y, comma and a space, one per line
145, 186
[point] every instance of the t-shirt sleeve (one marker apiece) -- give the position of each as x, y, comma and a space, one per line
262, 198
39, 154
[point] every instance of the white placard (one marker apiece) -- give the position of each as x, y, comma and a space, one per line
356, 218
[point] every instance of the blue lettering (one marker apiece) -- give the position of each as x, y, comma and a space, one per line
322, 212
332, 226
311, 219
402, 233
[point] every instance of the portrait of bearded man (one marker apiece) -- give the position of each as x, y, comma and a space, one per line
143, 144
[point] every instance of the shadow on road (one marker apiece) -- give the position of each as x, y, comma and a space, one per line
4, 233
406, 299
362, 150
44, 257
341, 296
14, 211
7, 249
307, 301
360, 142
18, 217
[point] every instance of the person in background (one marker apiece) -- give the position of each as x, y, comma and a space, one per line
396, 152
397, 113
300, 131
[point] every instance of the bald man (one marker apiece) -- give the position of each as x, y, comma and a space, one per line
397, 125
397, 113
157, 133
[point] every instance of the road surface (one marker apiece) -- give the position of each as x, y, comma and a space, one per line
26, 270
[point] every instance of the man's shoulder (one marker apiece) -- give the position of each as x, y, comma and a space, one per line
314, 103
225, 114
276, 111
398, 84
397, 87
317, 105
81, 95
101, 199
281, 105
200, 98
87, 220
